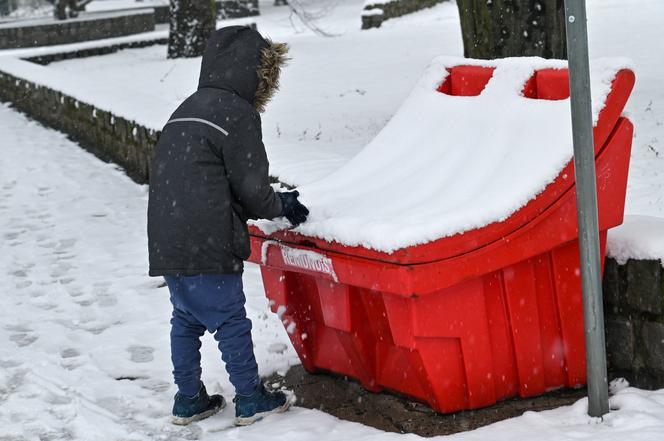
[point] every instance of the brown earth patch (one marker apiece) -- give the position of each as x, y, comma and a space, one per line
347, 400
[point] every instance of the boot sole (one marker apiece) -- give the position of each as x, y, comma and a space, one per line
246, 421
182, 421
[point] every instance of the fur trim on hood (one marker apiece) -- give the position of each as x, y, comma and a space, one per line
273, 58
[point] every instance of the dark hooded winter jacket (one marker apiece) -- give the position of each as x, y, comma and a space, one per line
209, 174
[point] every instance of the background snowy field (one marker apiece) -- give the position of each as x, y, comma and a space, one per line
84, 331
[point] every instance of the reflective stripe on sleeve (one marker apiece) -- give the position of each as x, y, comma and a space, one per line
199, 120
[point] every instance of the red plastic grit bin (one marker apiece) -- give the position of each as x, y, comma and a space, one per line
467, 320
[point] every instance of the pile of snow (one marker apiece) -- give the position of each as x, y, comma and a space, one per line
639, 237
448, 164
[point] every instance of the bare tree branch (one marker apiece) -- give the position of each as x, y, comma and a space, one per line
308, 17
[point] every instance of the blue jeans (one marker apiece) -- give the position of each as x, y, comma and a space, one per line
214, 303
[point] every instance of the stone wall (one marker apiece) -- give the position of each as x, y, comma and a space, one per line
634, 315
162, 14
375, 14
49, 33
110, 137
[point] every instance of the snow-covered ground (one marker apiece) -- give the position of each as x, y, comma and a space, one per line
79, 311
84, 335
84, 331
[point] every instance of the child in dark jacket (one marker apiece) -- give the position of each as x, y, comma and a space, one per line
209, 175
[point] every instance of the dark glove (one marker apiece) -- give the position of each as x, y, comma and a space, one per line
292, 209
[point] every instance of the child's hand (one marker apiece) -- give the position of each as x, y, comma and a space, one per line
293, 209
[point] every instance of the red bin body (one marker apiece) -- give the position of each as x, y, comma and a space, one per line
467, 320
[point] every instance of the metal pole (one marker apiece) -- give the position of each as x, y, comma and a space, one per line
586, 200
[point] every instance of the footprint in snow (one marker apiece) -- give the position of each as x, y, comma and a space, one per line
17, 328
46, 306
60, 269
13, 235
19, 273
15, 380
155, 385
106, 300
190, 432
74, 292
23, 284
96, 330
141, 354
104, 297
66, 243
69, 353
9, 363
23, 339
85, 302
277, 348
57, 400
72, 363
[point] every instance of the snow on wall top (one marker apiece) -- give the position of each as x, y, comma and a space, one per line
448, 164
377, 2
145, 108
626, 241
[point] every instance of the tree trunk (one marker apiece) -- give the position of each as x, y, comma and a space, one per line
192, 23
513, 28
5, 7
60, 9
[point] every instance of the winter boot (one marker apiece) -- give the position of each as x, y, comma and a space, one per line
187, 410
254, 407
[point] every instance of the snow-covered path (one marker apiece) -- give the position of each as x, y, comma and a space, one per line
84, 331
84, 335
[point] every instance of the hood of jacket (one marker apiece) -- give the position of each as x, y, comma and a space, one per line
240, 60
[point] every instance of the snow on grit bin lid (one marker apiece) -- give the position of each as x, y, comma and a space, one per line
456, 157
